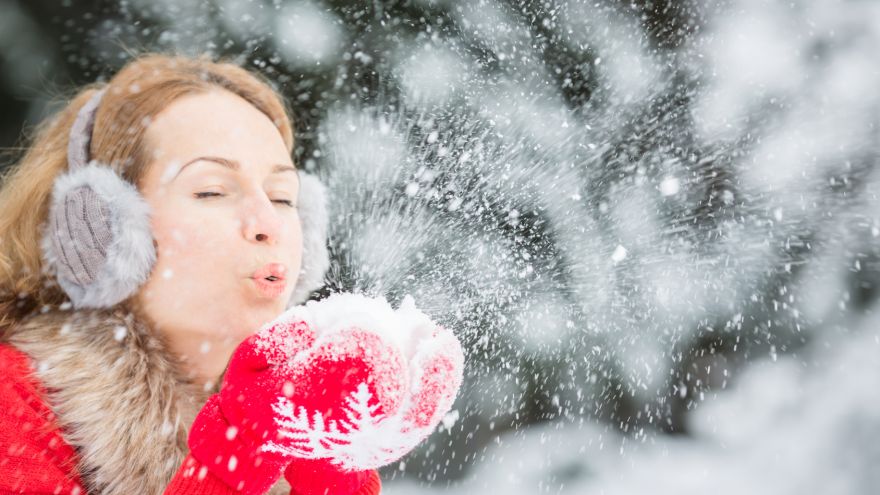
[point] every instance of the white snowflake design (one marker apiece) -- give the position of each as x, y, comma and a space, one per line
364, 440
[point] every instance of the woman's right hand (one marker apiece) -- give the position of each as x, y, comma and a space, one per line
228, 433
285, 360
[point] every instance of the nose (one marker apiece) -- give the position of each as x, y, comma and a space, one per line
261, 222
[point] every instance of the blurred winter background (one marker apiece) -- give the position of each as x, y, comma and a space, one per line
654, 223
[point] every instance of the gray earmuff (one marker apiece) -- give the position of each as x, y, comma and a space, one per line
98, 243
312, 205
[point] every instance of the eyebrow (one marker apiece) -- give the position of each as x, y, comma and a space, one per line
230, 164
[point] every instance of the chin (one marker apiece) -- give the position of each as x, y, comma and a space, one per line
257, 316
251, 313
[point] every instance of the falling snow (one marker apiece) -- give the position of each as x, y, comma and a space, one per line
653, 225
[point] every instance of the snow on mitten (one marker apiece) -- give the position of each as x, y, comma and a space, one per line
229, 431
374, 384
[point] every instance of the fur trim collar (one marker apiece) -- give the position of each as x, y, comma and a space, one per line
119, 395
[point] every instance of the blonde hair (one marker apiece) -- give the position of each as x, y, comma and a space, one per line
134, 96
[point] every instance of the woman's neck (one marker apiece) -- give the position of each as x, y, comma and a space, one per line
202, 359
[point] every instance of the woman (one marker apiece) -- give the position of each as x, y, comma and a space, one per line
150, 238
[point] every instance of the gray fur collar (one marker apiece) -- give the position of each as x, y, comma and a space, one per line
119, 395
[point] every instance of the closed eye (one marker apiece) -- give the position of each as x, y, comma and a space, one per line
206, 194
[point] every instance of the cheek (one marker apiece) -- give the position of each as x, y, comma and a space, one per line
296, 238
188, 245
293, 249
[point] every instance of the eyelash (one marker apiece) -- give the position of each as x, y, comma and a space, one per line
285, 202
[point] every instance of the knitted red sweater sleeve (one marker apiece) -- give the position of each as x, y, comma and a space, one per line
34, 458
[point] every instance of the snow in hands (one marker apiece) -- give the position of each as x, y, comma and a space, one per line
367, 382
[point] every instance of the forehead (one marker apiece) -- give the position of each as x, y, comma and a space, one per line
216, 123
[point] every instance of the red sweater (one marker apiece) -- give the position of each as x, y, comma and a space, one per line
35, 459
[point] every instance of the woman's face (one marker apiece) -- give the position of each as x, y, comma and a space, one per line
223, 192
